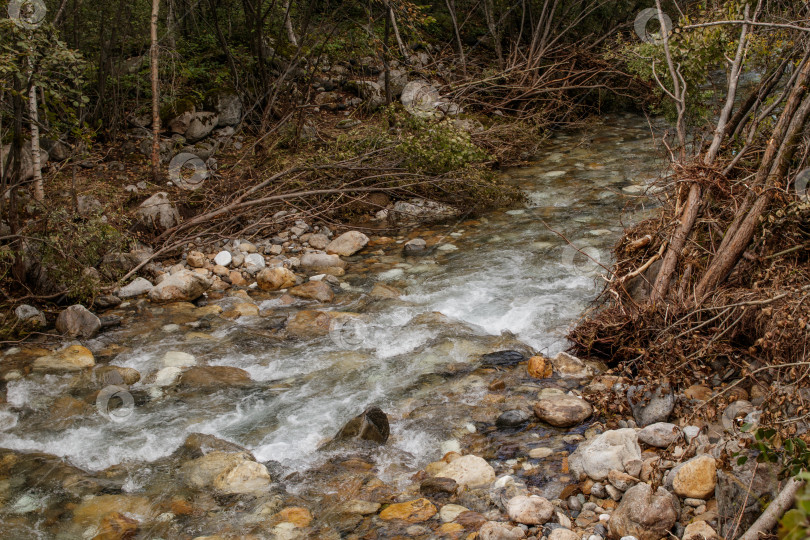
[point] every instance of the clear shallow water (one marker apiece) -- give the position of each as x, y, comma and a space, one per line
511, 280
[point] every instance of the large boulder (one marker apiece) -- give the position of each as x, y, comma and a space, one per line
563, 411
201, 125
27, 165
371, 425
273, 279
182, 286
617, 449
78, 321
180, 124
157, 212
419, 98
73, 358
228, 107
644, 514
740, 493
470, 471
397, 79
347, 243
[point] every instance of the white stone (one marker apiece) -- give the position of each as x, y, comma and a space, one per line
223, 258
138, 287
167, 376
616, 449
470, 471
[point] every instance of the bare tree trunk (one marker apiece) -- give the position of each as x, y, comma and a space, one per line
392, 16
451, 7
489, 15
724, 261
386, 65
36, 158
288, 25
155, 93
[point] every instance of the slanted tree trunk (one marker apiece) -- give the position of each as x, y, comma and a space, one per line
451, 7
288, 25
403, 50
155, 92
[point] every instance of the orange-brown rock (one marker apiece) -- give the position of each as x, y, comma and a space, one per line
414, 511
539, 367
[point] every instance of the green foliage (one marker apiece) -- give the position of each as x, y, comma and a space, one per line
68, 247
792, 453
795, 524
438, 147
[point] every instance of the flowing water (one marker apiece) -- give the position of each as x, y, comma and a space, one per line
508, 280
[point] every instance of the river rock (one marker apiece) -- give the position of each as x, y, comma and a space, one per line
138, 287
157, 212
512, 419
415, 511
73, 358
621, 480
450, 512
254, 263
651, 405
166, 376
502, 358
644, 514
195, 259
116, 526
496, 530
178, 359
438, 486
214, 377
347, 244
30, 316
273, 279
223, 258
617, 449
417, 246
116, 375
371, 425
244, 477
696, 478
381, 290
314, 290
568, 366
563, 411
91, 511
660, 434
469, 471
182, 286
320, 261
228, 473
77, 321
200, 126
529, 510
699, 530
539, 367
308, 324
561, 533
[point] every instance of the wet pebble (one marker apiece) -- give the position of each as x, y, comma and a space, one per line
512, 419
